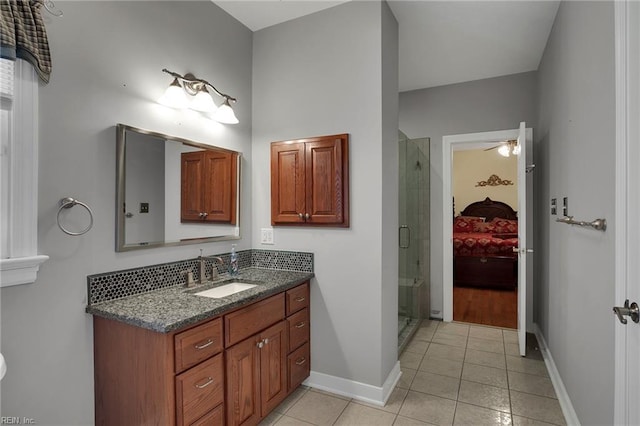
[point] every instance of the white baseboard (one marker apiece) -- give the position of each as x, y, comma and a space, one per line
377, 395
561, 392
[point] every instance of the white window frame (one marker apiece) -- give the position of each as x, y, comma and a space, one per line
21, 261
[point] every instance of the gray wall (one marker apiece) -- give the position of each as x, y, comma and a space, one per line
144, 167
108, 58
319, 75
576, 154
479, 106
389, 183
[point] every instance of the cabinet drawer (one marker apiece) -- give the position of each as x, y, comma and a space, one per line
298, 328
297, 298
212, 418
197, 344
298, 365
199, 390
254, 318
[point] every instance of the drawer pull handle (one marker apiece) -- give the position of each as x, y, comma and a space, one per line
300, 324
202, 386
301, 361
202, 346
300, 299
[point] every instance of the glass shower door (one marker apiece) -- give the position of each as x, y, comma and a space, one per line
413, 233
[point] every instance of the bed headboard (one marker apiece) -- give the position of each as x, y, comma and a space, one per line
490, 209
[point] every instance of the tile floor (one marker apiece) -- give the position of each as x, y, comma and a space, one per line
452, 373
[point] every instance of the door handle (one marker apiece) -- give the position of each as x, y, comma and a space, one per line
408, 240
519, 250
627, 310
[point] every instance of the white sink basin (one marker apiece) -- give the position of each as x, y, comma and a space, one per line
225, 290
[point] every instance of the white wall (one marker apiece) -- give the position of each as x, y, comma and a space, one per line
319, 75
576, 154
476, 165
479, 106
107, 62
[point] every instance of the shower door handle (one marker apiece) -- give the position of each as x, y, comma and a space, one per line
408, 231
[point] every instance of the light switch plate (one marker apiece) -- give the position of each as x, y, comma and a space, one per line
266, 235
565, 206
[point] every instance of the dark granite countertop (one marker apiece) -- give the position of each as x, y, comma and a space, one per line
176, 307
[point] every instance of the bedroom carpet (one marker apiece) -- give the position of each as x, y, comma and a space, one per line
486, 306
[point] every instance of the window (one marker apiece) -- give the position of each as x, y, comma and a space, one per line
19, 259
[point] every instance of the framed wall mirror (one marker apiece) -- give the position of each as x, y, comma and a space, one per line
173, 191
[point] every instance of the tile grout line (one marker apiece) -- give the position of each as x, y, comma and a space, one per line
506, 369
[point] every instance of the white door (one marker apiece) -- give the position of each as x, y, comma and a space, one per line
522, 238
627, 224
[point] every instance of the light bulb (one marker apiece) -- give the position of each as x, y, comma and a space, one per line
504, 150
516, 149
225, 114
203, 102
174, 96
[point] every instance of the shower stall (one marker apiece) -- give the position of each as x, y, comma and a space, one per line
413, 236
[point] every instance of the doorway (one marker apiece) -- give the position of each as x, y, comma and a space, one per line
523, 138
485, 192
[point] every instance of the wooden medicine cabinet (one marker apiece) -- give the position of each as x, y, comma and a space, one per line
310, 181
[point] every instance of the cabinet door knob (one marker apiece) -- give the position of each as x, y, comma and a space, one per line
266, 341
301, 361
205, 214
307, 216
300, 215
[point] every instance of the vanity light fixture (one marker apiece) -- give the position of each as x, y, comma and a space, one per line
190, 92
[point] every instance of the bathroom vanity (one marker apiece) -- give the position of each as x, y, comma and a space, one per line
170, 357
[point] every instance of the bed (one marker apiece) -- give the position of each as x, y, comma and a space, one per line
484, 237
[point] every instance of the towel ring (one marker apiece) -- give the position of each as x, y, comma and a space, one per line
67, 203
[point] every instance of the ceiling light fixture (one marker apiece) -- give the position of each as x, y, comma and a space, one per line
507, 148
199, 98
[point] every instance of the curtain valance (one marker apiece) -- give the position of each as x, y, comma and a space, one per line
23, 35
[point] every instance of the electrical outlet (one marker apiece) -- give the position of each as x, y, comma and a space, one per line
565, 206
554, 206
266, 235
144, 207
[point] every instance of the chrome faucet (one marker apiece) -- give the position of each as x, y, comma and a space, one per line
202, 267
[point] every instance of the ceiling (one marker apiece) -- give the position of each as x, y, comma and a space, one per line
441, 42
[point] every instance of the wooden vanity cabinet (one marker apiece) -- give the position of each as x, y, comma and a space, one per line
233, 369
310, 181
298, 356
146, 377
256, 366
209, 186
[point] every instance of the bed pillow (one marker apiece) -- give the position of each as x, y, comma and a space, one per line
465, 223
505, 226
484, 227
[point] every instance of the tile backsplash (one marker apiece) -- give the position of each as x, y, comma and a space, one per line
118, 284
